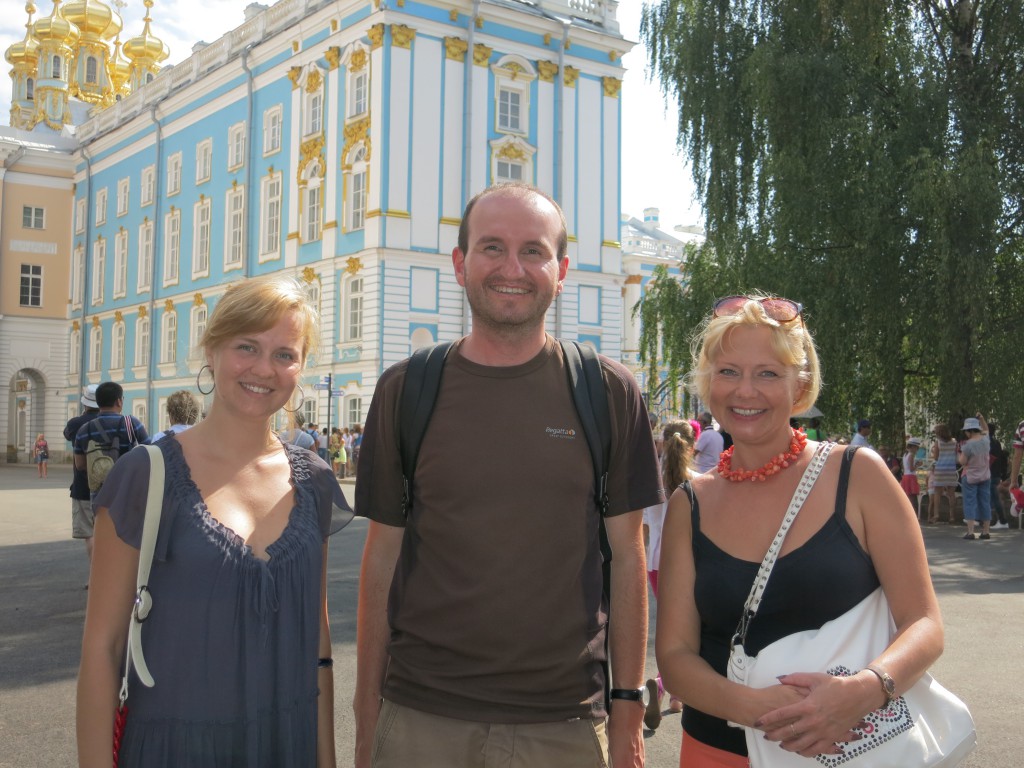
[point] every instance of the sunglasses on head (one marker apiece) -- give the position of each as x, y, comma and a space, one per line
780, 310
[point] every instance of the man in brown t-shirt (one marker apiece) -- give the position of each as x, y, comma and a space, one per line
482, 623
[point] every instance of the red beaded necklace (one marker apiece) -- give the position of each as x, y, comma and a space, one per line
775, 465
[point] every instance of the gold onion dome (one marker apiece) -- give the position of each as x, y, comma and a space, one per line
146, 46
94, 18
25, 51
55, 28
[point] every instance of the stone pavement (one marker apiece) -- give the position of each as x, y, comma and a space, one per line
43, 571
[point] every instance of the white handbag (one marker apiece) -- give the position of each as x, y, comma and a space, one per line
925, 727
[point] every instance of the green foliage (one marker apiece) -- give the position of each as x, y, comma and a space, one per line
866, 158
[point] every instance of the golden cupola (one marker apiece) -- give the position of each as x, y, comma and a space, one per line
58, 39
89, 78
54, 31
145, 52
23, 57
119, 72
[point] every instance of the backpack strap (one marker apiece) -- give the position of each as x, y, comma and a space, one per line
419, 393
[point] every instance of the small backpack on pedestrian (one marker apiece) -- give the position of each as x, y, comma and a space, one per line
102, 450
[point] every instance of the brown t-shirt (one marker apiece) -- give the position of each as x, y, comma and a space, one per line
496, 607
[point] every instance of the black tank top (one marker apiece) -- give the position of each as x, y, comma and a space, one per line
809, 586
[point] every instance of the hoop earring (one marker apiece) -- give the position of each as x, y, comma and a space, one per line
199, 386
302, 399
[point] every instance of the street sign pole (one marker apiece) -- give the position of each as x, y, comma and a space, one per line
329, 398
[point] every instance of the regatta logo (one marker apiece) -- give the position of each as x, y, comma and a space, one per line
560, 433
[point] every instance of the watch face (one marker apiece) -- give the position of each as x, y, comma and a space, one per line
645, 696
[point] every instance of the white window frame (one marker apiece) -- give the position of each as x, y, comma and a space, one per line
142, 332
270, 216
198, 318
99, 268
120, 264
80, 214
77, 275
273, 127
359, 92
508, 171
234, 227
356, 184
169, 338
509, 109
236, 146
511, 152
96, 348
353, 410
202, 226
204, 160
101, 207
33, 217
353, 318
172, 246
312, 207
117, 335
32, 278
124, 187
174, 174
313, 112
75, 343
146, 253
147, 190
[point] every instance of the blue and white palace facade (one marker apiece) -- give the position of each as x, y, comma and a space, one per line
339, 142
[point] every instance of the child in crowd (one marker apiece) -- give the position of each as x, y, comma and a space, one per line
909, 481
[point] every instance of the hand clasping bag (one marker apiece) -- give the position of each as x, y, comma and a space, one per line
926, 727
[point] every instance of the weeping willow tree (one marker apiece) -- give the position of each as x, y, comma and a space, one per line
863, 157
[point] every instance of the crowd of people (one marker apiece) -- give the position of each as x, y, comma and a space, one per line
495, 622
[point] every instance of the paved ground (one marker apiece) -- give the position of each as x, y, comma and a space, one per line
42, 572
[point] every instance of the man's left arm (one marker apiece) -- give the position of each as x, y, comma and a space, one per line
628, 636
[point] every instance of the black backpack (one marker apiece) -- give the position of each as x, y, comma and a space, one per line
419, 393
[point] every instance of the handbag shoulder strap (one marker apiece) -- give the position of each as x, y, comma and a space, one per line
803, 489
143, 598
844, 480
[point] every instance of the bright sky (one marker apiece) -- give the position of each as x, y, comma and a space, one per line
653, 174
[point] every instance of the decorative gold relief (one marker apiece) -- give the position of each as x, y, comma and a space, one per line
309, 275
612, 243
612, 86
355, 132
142, 311
512, 152
309, 150
294, 74
118, 317
451, 221
75, 326
400, 3
481, 54
455, 48
613, 56
169, 306
292, 236
95, 321
313, 81
334, 25
402, 36
514, 69
353, 265
570, 76
295, 46
333, 57
453, 15
397, 214
357, 60
547, 39
547, 71
479, 22
635, 280
376, 35
374, 214
234, 183
568, 44
198, 300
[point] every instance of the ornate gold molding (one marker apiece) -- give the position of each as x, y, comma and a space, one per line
453, 222
198, 300
612, 86
479, 22
330, 225
95, 321
397, 214
355, 132
142, 311
482, 54
613, 56
309, 150
453, 15
333, 57
292, 236
402, 36
512, 152
547, 70
547, 38
376, 35
353, 265
455, 48
169, 305
357, 60
75, 326
118, 317
612, 243
314, 80
375, 213
309, 274
570, 76
634, 280
294, 73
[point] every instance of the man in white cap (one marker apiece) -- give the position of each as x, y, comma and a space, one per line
81, 503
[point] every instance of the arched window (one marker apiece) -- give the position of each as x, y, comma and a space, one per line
199, 315
313, 204
90, 70
169, 344
142, 341
76, 351
355, 189
31, 88
117, 347
55, 67
96, 348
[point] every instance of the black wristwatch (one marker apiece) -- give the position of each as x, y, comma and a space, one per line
641, 696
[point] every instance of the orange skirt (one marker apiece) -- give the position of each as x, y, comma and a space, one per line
697, 754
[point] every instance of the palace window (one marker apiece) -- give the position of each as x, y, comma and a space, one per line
270, 215
142, 341
358, 93
198, 328
77, 275
201, 239
272, 128
353, 317
148, 191
33, 218
172, 246
145, 256
174, 174
355, 190
117, 346
96, 348
234, 235
169, 338
31, 294
76, 351
120, 264
90, 70
122, 196
204, 160
99, 267
101, 206
236, 146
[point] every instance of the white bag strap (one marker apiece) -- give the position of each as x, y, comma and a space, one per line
143, 598
803, 489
